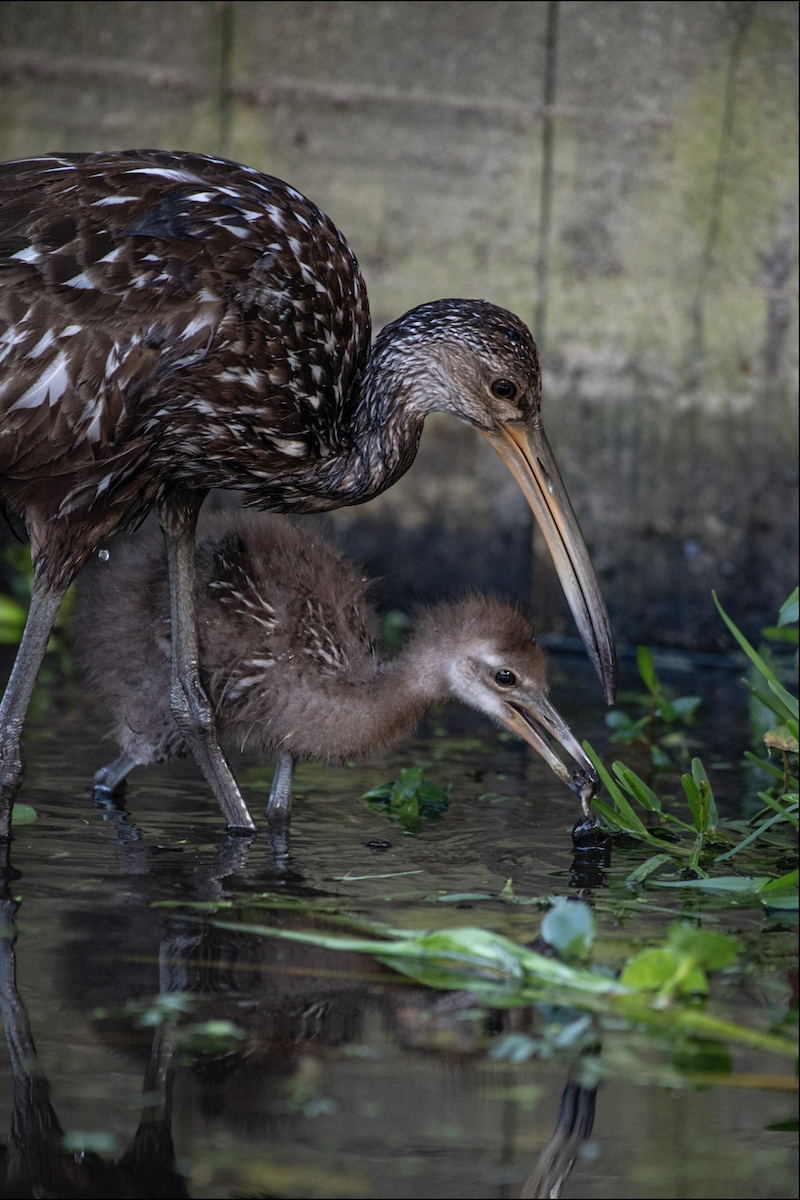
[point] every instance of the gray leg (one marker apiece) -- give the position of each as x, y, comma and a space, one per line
279, 809
190, 705
108, 778
45, 604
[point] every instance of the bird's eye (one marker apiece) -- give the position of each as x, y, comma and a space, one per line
506, 678
504, 389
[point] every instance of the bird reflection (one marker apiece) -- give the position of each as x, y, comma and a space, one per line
573, 1129
36, 1162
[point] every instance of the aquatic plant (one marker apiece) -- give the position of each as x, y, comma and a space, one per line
408, 799
661, 988
715, 840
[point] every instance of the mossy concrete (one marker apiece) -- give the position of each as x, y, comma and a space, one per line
670, 344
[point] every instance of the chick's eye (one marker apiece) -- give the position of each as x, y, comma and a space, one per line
504, 389
506, 678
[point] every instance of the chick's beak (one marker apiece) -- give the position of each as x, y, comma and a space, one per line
532, 721
526, 452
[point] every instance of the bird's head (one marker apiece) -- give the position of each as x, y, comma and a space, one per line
480, 363
465, 357
489, 659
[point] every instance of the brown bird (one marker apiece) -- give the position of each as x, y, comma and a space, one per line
288, 656
171, 322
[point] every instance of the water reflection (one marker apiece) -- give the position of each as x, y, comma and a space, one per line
283, 1070
38, 1159
293, 1002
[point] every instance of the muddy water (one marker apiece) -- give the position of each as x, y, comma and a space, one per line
338, 1078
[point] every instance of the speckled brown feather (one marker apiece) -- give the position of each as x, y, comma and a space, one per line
123, 310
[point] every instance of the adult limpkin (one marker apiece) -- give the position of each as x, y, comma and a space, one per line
173, 322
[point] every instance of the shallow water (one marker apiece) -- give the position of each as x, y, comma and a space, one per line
344, 1079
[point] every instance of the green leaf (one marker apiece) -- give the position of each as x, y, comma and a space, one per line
454, 897
616, 719
655, 969
722, 883
754, 657
777, 807
570, 928
790, 610
431, 794
514, 1048
775, 634
785, 903
786, 698
614, 819
770, 702
623, 807
507, 891
463, 957
666, 710
790, 880
695, 802
381, 791
766, 766
23, 814
626, 730
755, 834
410, 798
687, 706
660, 760
647, 671
706, 947
636, 787
647, 868
700, 777
406, 788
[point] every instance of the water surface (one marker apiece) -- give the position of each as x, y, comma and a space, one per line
338, 1077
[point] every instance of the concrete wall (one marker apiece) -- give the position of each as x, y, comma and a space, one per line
623, 175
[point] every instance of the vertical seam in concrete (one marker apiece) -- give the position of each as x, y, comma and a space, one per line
225, 93
546, 190
538, 596
742, 17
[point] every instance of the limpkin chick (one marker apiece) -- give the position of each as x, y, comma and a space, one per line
288, 656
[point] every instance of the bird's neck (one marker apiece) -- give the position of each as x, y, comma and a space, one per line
383, 418
358, 716
387, 422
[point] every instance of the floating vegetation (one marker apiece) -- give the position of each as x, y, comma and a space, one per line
409, 799
662, 988
23, 814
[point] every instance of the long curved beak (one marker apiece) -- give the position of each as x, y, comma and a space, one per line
536, 719
527, 454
